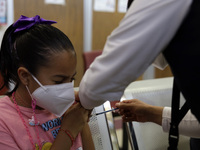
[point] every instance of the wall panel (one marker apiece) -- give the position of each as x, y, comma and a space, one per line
103, 24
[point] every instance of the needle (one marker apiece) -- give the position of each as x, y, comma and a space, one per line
106, 111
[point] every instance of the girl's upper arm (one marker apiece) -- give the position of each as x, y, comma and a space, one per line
7, 142
87, 138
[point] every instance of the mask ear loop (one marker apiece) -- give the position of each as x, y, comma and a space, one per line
38, 82
33, 103
34, 119
29, 92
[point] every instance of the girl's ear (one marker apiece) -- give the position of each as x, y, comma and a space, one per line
24, 75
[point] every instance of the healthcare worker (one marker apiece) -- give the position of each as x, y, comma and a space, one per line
147, 28
166, 30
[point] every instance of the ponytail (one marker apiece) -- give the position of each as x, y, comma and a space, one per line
8, 59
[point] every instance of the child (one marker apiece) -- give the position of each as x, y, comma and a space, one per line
41, 62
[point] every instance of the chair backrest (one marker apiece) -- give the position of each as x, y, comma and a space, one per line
102, 129
150, 136
88, 58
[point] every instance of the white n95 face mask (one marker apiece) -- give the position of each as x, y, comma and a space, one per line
54, 98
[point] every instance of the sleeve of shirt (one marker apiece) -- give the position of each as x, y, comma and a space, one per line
142, 34
160, 62
189, 125
7, 142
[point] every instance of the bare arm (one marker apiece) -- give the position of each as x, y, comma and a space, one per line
87, 138
74, 120
135, 110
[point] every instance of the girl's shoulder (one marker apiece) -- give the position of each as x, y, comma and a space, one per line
5, 106
4, 100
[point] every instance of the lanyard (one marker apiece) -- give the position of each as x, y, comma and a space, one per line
176, 117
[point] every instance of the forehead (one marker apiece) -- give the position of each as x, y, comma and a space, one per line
60, 63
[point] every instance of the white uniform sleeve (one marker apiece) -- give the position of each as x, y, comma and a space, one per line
160, 62
189, 126
146, 29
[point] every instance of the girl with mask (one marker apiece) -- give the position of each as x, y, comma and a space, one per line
39, 112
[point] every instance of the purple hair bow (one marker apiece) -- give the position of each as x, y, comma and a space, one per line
24, 22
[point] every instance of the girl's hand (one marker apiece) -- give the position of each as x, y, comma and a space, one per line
77, 99
75, 119
76, 96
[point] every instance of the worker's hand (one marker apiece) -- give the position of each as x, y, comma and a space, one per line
136, 110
